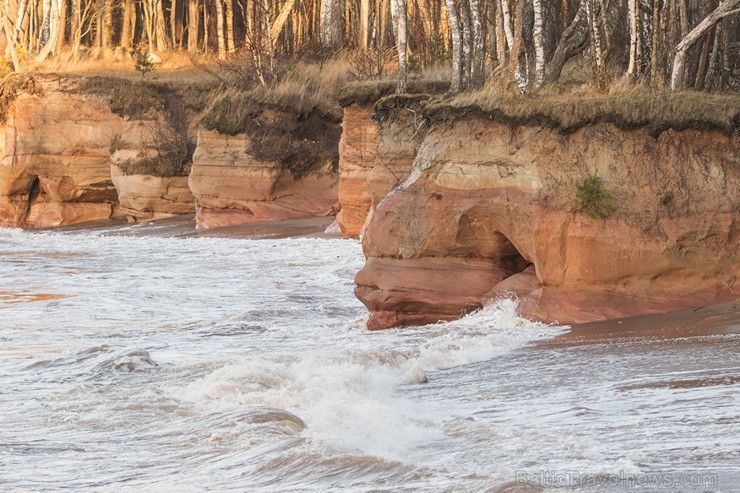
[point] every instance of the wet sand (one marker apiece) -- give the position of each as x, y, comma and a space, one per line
712, 320
184, 226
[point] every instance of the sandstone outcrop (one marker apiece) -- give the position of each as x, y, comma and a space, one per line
56, 166
231, 186
54, 160
144, 196
357, 149
374, 156
489, 210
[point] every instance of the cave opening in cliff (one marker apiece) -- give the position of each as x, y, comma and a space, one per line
511, 260
34, 190
479, 235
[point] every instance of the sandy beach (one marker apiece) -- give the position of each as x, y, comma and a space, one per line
719, 319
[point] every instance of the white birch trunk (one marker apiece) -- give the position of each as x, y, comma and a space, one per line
220, 31
279, 22
5, 27
508, 26
51, 28
22, 8
331, 23
456, 80
400, 21
679, 61
539, 43
635, 65
477, 57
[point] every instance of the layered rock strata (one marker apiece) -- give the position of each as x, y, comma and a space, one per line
375, 154
144, 196
56, 164
489, 210
231, 186
54, 159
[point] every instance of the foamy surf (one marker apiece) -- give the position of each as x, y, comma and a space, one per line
191, 364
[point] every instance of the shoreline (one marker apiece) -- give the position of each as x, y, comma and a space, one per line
712, 320
721, 319
183, 226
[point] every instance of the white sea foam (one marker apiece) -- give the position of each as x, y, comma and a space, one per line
236, 364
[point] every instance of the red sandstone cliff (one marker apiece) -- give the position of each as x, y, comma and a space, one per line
56, 164
488, 211
231, 186
374, 156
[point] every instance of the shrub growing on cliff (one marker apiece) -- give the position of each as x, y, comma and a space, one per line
593, 198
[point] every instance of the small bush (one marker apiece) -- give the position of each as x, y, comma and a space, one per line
593, 199
666, 198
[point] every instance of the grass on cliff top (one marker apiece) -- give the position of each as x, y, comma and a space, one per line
634, 108
370, 92
301, 89
144, 99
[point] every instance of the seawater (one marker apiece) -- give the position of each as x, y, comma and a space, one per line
150, 363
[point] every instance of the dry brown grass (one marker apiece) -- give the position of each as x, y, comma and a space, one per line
176, 67
369, 92
626, 108
301, 90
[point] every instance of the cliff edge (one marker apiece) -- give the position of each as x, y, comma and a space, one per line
593, 221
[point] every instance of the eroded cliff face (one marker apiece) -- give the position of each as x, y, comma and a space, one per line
232, 187
374, 156
144, 196
488, 211
54, 160
61, 146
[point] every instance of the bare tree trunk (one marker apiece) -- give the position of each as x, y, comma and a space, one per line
76, 26
62, 26
724, 9
518, 55
400, 21
11, 39
467, 41
508, 26
268, 26
598, 54
161, 27
539, 44
701, 69
364, 23
478, 52
279, 22
193, 26
19, 19
656, 50
220, 30
126, 31
331, 23
456, 80
229, 26
635, 66
572, 43
710, 80
51, 27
